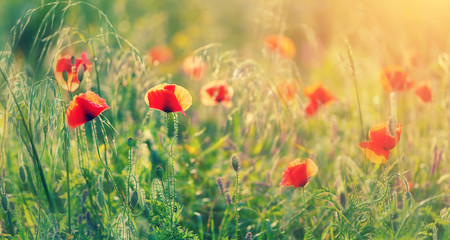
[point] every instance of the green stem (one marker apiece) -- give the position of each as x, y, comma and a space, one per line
236, 210
34, 155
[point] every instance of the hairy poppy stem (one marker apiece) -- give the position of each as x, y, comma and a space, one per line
66, 159
33, 152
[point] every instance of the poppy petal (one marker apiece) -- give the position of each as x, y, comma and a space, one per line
423, 91
164, 100
281, 44
374, 153
84, 107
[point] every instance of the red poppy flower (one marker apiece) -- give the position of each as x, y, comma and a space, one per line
394, 79
84, 107
168, 98
160, 55
217, 92
298, 173
424, 92
317, 95
281, 44
194, 67
287, 90
381, 141
64, 64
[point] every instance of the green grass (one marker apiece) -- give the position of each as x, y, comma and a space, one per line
138, 173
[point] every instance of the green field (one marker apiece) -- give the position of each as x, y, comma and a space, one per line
207, 119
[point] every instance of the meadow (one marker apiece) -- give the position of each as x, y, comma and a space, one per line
207, 119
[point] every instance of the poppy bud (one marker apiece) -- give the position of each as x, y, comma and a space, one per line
72, 60
80, 73
5, 203
101, 199
159, 172
235, 163
130, 142
134, 199
65, 76
22, 174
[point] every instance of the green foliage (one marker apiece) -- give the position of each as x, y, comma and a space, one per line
135, 173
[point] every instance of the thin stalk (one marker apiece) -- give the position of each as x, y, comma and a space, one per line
34, 155
355, 83
236, 210
66, 159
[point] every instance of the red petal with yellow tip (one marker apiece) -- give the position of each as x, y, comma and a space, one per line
83, 108
298, 172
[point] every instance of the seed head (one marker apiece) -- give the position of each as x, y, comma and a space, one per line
235, 163
228, 198
220, 184
101, 199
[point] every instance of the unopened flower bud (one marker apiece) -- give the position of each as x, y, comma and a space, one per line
22, 174
134, 199
5, 203
235, 163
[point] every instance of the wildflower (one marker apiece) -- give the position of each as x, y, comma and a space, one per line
280, 44
317, 95
160, 55
84, 107
194, 67
423, 91
381, 141
168, 98
217, 92
298, 173
69, 71
394, 79
287, 90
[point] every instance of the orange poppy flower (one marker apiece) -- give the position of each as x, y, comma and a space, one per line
424, 92
168, 98
298, 173
84, 107
194, 67
160, 55
64, 64
317, 95
394, 79
381, 141
287, 90
281, 44
217, 92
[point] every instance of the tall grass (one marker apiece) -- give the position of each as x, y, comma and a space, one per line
135, 173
